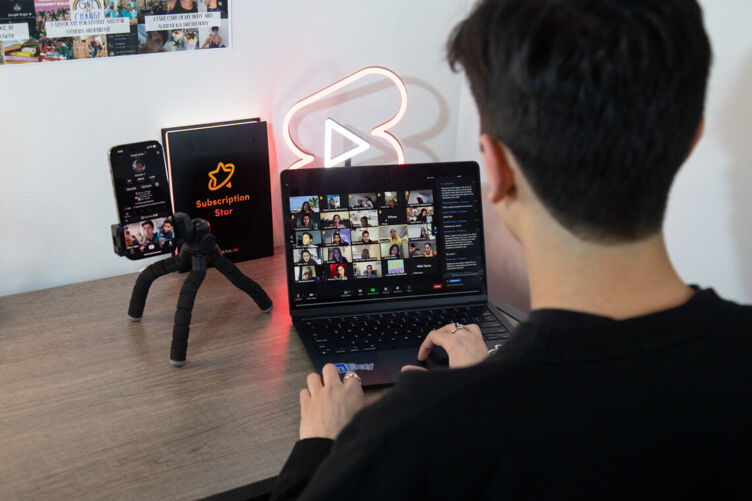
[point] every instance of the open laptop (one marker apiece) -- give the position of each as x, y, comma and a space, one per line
378, 256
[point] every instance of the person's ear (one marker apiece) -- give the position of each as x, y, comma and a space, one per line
500, 174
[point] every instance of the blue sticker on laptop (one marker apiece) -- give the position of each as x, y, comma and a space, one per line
353, 367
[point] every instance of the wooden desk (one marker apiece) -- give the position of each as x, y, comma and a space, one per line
90, 406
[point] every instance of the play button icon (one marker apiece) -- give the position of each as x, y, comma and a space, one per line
361, 144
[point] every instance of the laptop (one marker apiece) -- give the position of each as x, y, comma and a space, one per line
377, 256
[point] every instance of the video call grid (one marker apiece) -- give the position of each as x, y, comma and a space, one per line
360, 235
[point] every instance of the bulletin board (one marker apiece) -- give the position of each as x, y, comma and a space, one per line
37, 31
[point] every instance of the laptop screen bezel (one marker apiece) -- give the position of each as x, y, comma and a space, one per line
292, 177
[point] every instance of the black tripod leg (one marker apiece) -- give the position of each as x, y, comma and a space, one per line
144, 281
183, 316
239, 280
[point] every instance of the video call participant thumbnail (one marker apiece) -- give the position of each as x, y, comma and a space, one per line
147, 233
166, 231
306, 204
363, 236
307, 257
337, 220
333, 202
392, 200
308, 238
308, 220
364, 218
338, 272
306, 274
394, 234
338, 254
336, 237
389, 217
396, 267
366, 252
420, 197
420, 215
367, 269
423, 249
420, 232
363, 200
394, 250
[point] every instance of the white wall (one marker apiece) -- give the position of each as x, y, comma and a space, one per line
709, 220
709, 217
56, 200
59, 120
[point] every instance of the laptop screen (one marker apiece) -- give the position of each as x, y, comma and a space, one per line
381, 233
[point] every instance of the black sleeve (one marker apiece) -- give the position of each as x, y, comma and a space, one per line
304, 460
365, 457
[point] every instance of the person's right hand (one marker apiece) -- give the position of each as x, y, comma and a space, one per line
465, 347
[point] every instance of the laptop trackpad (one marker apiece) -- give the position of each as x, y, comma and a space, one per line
394, 360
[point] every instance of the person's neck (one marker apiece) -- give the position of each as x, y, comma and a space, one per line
617, 281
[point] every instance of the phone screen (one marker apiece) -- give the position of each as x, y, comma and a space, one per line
142, 191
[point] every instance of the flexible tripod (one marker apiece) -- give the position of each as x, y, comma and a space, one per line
198, 247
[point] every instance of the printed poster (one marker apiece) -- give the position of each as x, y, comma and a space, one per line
34, 31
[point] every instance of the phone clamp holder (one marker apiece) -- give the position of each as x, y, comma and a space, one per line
199, 248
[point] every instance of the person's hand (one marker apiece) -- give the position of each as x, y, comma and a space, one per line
465, 347
328, 404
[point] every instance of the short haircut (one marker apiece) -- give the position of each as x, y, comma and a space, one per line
148, 223
599, 101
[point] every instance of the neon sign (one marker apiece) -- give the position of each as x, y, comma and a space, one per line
380, 131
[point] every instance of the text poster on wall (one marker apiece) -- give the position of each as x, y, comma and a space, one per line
33, 31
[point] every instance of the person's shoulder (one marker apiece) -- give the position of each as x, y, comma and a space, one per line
727, 319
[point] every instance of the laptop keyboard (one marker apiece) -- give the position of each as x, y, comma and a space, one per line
405, 329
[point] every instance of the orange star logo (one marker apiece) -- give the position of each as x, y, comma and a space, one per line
214, 183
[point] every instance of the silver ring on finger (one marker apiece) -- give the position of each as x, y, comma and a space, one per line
351, 374
458, 326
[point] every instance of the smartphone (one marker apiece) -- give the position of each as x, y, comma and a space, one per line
142, 194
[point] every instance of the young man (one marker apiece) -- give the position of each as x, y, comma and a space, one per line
147, 233
624, 382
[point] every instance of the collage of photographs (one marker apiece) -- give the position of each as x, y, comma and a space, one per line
38, 42
362, 235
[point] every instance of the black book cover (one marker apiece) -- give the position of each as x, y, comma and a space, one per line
220, 172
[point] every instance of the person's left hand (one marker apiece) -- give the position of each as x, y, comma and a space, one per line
328, 404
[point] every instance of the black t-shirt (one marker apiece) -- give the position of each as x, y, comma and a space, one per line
573, 406
179, 9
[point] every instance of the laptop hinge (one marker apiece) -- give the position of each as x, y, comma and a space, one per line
387, 306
